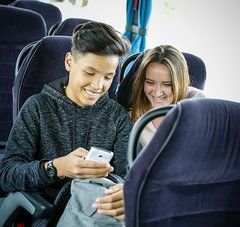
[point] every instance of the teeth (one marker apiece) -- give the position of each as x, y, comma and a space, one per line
93, 94
159, 98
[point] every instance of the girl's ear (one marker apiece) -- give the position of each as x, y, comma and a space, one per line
68, 61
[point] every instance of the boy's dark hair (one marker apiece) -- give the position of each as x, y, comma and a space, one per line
100, 39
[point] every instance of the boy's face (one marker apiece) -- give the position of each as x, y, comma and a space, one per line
90, 77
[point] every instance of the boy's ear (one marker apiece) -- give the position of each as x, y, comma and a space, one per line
68, 61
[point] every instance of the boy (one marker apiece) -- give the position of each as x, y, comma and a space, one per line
54, 129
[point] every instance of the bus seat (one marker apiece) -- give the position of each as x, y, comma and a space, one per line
67, 26
43, 63
50, 13
19, 27
196, 67
189, 173
6, 2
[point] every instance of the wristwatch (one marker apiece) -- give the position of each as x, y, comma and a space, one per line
51, 170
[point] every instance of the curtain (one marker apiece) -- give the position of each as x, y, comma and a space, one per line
137, 17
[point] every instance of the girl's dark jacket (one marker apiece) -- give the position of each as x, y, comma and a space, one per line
49, 126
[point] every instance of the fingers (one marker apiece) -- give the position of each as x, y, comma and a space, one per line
120, 217
113, 203
109, 206
114, 212
95, 164
90, 171
74, 165
111, 198
115, 188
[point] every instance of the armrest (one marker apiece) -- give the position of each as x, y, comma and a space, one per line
30, 201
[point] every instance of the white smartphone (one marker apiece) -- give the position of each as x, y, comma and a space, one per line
99, 154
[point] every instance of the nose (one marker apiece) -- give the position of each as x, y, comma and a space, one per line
158, 90
98, 83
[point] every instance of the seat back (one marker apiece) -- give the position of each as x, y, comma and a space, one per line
19, 27
189, 173
196, 67
67, 26
44, 63
50, 13
6, 2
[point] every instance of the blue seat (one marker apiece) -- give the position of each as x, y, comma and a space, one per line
50, 13
43, 63
67, 26
189, 173
196, 67
6, 2
19, 27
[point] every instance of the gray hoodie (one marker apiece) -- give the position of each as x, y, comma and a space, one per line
49, 126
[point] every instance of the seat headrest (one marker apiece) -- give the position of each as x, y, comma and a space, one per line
43, 64
67, 26
22, 27
51, 14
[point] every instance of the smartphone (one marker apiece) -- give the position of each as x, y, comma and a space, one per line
99, 154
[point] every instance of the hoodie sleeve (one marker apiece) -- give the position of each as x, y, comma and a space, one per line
193, 92
124, 128
20, 169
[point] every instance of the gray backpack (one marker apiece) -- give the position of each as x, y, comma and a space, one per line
79, 210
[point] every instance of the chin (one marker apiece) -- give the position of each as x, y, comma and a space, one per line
159, 105
91, 103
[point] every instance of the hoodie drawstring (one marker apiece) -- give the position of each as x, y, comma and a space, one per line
74, 130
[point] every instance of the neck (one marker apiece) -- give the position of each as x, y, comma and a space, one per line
156, 122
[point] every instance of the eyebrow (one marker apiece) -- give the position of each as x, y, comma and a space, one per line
95, 70
166, 81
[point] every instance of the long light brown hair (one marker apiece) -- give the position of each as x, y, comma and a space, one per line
178, 69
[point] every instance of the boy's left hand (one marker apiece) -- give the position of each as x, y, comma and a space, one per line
113, 203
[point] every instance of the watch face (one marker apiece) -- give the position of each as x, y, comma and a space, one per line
51, 173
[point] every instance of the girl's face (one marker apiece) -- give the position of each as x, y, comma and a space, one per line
158, 85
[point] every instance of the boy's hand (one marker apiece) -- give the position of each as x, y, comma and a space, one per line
113, 203
74, 165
